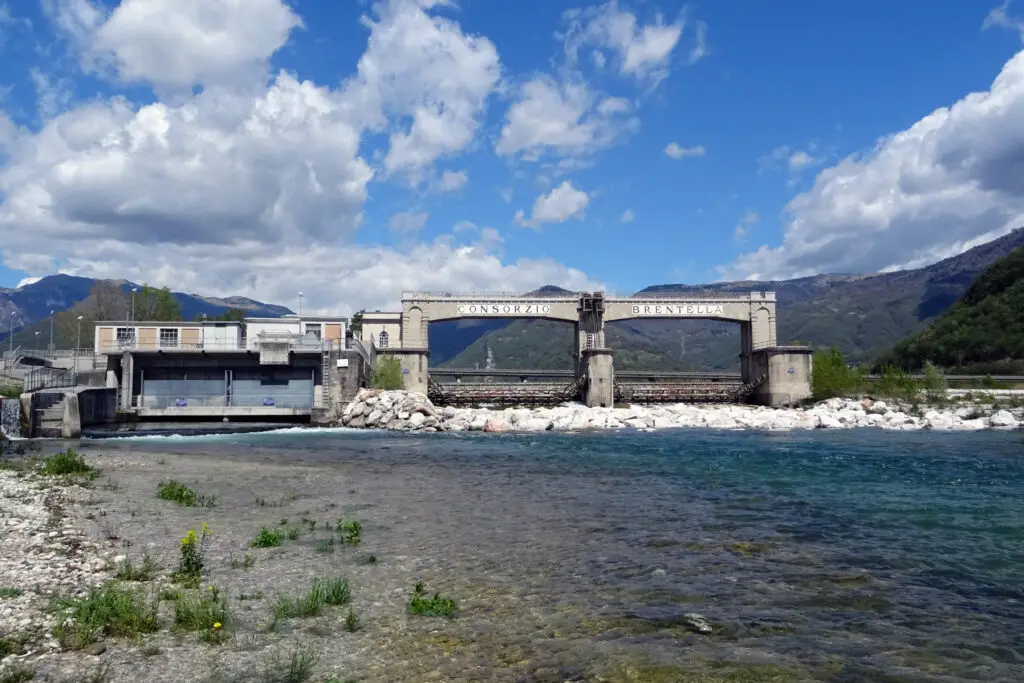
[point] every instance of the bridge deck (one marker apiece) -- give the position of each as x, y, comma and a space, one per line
569, 374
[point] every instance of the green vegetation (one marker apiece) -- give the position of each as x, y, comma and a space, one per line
297, 667
111, 610
205, 612
67, 463
897, 383
129, 571
193, 557
352, 621
266, 538
330, 592
355, 323
350, 530
18, 673
177, 492
11, 593
10, 391
832, 377
387, 373
981, 333
247, 562
435, 606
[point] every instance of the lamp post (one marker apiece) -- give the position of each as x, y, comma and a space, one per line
51, 334
300, 304
78, 343
134, 289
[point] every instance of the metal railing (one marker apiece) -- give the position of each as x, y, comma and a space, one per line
731, 297
295, 343
49, 378
488, 296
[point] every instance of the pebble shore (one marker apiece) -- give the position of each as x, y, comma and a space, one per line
406, 411
46, 554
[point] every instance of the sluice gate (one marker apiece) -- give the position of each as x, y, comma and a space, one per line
504, 394
686, 392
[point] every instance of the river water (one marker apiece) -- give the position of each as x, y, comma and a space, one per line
825, 555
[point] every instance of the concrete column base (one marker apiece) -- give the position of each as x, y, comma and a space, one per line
788, 370
597, 366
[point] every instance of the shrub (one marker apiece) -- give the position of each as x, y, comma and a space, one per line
193, 557
436, 606
266, 538
387, 374
899, 384
831, 376
935, 388
110, 610
351, 621
17, 673
296, 668
67, 462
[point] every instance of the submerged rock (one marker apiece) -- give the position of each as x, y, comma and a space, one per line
407, 411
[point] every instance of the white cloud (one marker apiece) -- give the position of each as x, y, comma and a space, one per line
408, 221
748, 220
790, 158
674, 151
255, 191
952, 180
627, 216
1000, 17
181, 43
642, 52
564, 119
26, 281
452, 181
559, 205
424, 68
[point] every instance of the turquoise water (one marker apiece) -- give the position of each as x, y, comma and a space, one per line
856, 555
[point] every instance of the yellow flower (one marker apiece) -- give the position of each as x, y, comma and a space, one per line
216, 624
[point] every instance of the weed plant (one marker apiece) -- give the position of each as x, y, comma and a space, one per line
247, 562
177, 492
206, 613
332, 592
296, 667
144, 571
325, 545
350, 530
292, 533
266, 538
351, 621
10, 592
193, 557
435, 606
67, 463
110, 610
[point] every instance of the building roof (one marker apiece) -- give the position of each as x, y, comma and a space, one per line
167, 323
307, 318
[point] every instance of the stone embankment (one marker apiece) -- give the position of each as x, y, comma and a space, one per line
46, 553
404, 411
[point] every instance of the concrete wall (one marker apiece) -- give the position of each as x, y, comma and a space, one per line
600, 372
96, 406
414, 364
788, 370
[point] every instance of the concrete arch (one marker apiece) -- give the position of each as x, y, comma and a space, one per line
762, 327
414, 327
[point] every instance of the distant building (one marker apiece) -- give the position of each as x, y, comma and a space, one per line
310, 329
115, 337
383, 329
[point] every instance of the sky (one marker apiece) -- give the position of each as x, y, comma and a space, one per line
353, 150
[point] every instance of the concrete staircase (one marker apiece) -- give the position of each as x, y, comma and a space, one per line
49, 422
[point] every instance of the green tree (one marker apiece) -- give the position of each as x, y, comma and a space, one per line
355, 323
387, 374
832, 377
230, 315
152, 304
897, 383
935, 387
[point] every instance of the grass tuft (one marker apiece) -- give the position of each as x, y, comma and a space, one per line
129, 571
350, 530
296, 667
66, 463
266, 538
351, 621
10, 592
110, 610
18, 673
435, 606
205, 612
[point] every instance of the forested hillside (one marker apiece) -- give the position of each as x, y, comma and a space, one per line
982, 332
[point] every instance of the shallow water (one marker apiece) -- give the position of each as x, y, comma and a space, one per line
840, 556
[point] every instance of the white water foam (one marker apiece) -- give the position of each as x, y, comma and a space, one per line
224, 436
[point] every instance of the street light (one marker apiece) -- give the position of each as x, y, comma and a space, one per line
78, 343
300, 304
51, 334
134, 289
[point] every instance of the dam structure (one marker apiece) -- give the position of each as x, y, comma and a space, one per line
770, 374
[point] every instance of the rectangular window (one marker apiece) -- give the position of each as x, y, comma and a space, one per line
168, 337
125, 337
313, 329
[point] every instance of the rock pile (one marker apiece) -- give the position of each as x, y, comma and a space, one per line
46, 554
404, 411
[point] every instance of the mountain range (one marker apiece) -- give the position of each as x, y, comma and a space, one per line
862, 315
24, 308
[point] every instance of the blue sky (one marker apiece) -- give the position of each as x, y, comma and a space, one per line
352, 150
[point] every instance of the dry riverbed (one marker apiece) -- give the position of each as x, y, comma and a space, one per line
96, 585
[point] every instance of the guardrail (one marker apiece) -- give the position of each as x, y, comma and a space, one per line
295, 343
